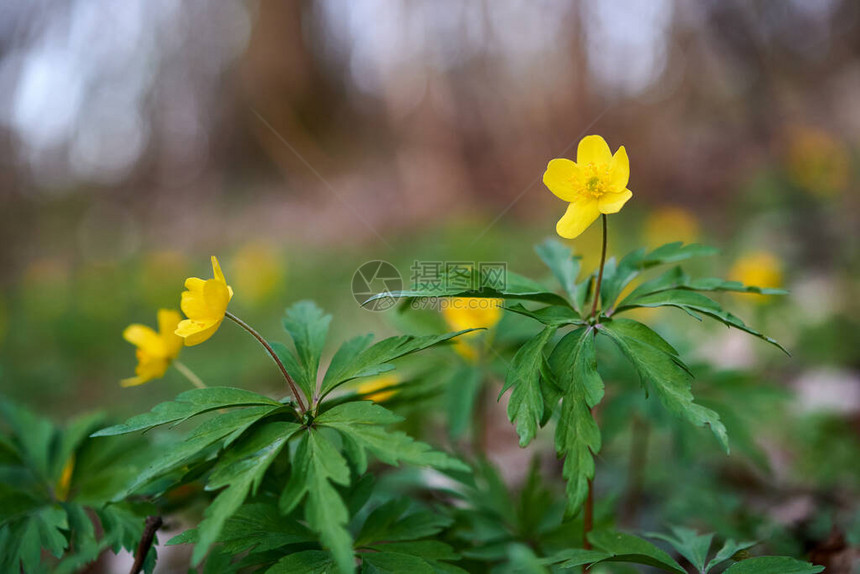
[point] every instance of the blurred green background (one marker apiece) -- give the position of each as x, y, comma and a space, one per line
298, 140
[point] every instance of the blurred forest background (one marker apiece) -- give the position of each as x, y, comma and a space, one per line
297, 140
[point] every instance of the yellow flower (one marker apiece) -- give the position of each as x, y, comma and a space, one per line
155, 351
760, 268
470, 313
204, 303
596, 183
817, 161
375, 384
258, 271
668, 224
61, 491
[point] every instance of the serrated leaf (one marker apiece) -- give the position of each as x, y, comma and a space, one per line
564, 266
471, 283
575, 557
773, 565
526, 403
689, 544
729, 549
384, 562
308, 325
394, 522
306, 561
628, 548
189, 404
240, 469
553, 315
226, 427
663, 372
577, 436
694, 304
617, 277
376, 359
255, 527
364, 423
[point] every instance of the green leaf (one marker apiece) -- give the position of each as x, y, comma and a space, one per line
319, 464
575, 557
617, 277
461, 392
394, 563
471, 283
240, 469
552, 315
577, 436
628, 548
663, 371
525, 407
729, 549
773, 565
255, 527
228, 426
394, 522
306, 561
363, 424
676, 278
33, 434
343, 360
689, 544
695, 304
564, 266
307, 324
23, 540
189, 404
376, 359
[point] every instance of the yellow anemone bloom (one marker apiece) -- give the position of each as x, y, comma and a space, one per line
379, 383
470, 313
595, 183
204, 303
155, 351
759, 268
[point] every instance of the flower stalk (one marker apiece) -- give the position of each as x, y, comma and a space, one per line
599, 273
302, 408
189, 374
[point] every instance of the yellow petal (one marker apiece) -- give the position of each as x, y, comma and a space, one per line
619, 170
217, 295
194, 284
148, 367
216, 269
132, 381
613, 202
559, 178
142, 337
593, 149
577, 218
193, 304
195, 332
168, 320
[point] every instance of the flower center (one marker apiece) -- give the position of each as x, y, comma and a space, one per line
591, 181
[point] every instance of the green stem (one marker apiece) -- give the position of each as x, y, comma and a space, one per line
189, 374
600, 273
274, 356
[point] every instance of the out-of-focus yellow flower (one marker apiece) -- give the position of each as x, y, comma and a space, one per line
155, 351
470, 313
258, 271
596, 183
759, 268
375, 384
204, 303
817, 161
668, 224
61, 491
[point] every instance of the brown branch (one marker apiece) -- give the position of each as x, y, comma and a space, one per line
153, 523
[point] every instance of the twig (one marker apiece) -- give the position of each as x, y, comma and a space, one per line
153, 523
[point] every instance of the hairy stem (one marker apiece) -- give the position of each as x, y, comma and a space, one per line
274, 356
599, 273
189, 374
